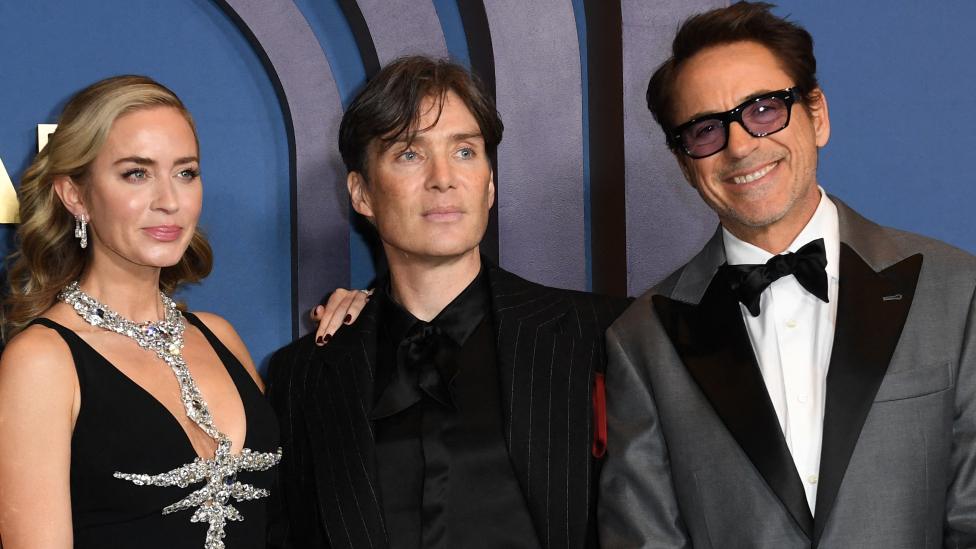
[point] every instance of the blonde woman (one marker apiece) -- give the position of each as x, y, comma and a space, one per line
124, 421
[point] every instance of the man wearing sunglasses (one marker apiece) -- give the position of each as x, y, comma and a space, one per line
809, 378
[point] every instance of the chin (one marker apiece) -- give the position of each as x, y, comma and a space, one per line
451, 250
160, 261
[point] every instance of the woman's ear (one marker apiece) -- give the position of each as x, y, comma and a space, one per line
70, 195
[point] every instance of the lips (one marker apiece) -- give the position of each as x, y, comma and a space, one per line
164, 233
442, 214
752, 176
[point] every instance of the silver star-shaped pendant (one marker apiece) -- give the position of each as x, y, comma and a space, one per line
221, 484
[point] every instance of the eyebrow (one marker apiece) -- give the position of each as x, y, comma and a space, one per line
143, 161
463, 136
702, 114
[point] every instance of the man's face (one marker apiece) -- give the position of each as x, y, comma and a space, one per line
429, 199
764, 189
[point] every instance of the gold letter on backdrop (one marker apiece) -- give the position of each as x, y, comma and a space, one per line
9, 207
43, 132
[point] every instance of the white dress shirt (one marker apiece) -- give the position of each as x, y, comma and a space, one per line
792, 338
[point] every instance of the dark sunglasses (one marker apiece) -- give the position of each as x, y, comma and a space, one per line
760, 116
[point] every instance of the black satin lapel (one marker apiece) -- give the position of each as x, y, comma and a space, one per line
342, 437
871, 311
713, 344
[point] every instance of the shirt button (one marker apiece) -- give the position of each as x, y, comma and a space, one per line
802, 399
791, 324
812, 479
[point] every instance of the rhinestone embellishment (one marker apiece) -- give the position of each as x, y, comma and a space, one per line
219, 474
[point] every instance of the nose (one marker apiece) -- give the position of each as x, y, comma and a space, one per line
165, 197
741, 143
440, 176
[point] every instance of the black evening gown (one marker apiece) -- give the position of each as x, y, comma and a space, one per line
122, 428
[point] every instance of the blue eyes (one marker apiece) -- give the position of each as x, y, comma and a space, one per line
138, 174
142, 174
465, 153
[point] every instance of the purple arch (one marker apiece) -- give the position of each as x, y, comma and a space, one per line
312, 108
402, 27
540, 161
666, 220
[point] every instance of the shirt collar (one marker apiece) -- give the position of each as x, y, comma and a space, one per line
458, 319
824, 224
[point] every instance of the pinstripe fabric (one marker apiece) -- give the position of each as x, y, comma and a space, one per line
550, 343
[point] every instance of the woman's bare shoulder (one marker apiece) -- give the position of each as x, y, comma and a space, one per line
37, 371
36, 345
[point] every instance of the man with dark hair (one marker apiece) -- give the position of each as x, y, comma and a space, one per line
457, 410
807, 380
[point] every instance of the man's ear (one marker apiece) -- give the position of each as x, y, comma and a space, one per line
359, 194
70, 195
491, 189
817, 107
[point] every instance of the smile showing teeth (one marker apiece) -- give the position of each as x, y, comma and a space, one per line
748, 178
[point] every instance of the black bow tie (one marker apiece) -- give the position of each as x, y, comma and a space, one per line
807, 265
424, 364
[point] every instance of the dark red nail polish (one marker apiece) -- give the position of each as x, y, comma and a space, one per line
319, 340
326, 338
347, 320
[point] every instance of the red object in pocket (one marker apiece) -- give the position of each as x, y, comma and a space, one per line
599, 416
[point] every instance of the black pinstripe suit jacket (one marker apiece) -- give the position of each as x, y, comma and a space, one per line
550, 346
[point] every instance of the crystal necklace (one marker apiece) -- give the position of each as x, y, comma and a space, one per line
219, 474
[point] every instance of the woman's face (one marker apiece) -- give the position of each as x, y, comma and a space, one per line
143, 192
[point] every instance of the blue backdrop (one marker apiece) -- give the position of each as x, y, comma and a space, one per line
894, 77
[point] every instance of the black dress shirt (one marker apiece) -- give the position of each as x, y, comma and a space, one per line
445, 479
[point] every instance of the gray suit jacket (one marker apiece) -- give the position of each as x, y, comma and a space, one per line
696, 457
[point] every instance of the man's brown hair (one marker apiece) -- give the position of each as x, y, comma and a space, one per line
741, 22
388, 109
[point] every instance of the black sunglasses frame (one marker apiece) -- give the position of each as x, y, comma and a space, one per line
789, 97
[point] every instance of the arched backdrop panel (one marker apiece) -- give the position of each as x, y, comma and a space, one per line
312, 109
588, 196
667, 222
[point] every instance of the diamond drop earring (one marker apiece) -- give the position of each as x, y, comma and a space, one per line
81, 229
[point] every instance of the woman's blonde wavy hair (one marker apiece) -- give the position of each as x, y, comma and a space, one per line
48, 256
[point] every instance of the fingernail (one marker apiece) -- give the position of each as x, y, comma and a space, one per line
318, 309
326, 338
319, 340
347, 320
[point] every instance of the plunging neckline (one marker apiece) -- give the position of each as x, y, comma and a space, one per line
187, 442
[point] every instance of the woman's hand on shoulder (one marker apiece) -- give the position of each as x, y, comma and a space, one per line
343, 307
39, 402
228, 336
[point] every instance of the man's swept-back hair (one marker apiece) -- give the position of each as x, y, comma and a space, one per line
47, 256
743, 21
388, 109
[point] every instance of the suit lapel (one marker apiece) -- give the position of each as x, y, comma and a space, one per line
881, 301
545, 373
877, 285
341, 434
713, 344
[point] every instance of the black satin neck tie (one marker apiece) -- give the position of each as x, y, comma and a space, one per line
425, 364
808, 265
